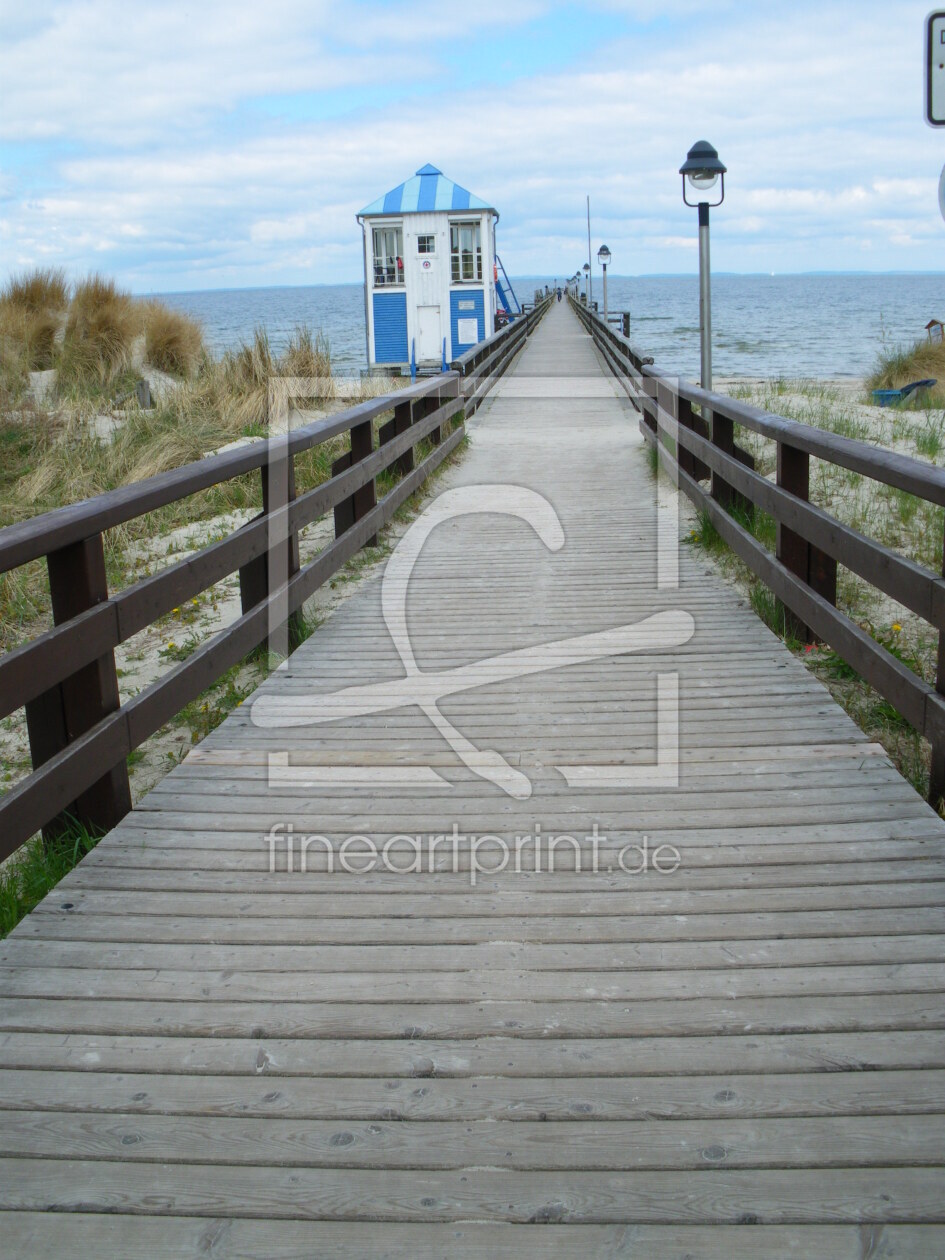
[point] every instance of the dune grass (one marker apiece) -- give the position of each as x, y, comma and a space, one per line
173, 341
43, 289
31, 313
101, 325
93, 333
56, 460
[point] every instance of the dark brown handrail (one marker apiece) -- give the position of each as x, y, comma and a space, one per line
80, 733
811, 543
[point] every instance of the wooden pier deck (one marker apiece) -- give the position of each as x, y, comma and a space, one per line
743, 1057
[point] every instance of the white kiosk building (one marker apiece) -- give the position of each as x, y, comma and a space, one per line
430, 273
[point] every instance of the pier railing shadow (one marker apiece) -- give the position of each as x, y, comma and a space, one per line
693, 430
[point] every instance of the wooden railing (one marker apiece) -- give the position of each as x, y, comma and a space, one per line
80, 733
699, 446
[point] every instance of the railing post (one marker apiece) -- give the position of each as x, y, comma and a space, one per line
723, 437
813, 566
685, 458
256, 581
60, 715
350, 510
422, 408
937, 767
689, 462
648, 392
401, 422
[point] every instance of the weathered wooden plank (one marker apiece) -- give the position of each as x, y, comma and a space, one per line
725, 1197
485, 1056
539, 883
609, 1098
471, 985
597, 1017
271, 905
345, 959
190, 1238
74, 924
783, 1142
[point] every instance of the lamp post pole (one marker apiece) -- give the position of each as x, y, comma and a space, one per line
702, 170
705, 295
603, 257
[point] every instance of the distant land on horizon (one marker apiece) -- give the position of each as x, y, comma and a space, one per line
614, 275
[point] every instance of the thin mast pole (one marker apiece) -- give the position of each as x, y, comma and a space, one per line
590, 265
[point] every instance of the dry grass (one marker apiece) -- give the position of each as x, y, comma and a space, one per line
226, 399
27, 344
44, 289
32, 308
173, 341
246, 375
89, 337
101, 325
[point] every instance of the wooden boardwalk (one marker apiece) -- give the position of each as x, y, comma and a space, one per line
743, 1057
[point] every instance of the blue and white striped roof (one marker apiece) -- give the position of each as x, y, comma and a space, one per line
428, 190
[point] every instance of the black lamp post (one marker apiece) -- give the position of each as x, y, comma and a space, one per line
603, 257
587, 284
702, 170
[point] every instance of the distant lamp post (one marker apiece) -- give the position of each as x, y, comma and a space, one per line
702, 171
603, 257
587, 284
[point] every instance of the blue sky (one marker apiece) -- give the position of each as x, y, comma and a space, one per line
192, 146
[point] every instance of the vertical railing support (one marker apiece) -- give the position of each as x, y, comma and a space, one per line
937, 740
648, 392
813, 566
77, 581
358, 504
431, 403
723, 437
401, 422
259, 579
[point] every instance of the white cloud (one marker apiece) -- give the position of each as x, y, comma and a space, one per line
165, 191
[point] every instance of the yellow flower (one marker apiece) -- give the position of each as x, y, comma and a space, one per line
175, 610
172, 644
896, 627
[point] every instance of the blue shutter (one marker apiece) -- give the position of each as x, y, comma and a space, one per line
390, 328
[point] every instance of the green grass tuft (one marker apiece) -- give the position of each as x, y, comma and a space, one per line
36, 869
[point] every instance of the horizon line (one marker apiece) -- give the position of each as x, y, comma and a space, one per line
547, 276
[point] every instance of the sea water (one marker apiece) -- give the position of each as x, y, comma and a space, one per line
826, 326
